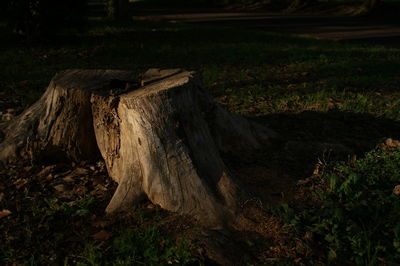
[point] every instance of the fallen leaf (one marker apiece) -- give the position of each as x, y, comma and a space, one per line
200, 251
7, 117
27, 168
308, 235
60, 188
20, 183
100, 224
68, 179
102, 235
49, 177
46, 171
316, 170
297, 260
396, 190
80, 190
101, 165
389, 142
80, 171
4, 213
97, 180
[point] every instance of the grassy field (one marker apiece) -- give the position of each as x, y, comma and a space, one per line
262, 73
307, 90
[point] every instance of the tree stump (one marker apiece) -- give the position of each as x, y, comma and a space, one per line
161, 139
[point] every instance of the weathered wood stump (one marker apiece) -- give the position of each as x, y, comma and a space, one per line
160, 140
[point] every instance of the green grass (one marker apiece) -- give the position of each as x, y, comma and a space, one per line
145, 246
51, 231
257, 72
355, 218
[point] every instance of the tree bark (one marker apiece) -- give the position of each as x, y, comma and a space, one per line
118, 9
161, 141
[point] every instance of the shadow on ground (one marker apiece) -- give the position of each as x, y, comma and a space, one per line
378, 30
307, 139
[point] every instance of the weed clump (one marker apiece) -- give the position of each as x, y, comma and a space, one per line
356, 214
145, 246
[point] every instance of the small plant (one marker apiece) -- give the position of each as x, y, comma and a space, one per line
149, 247
92, 255
141, 246
78, 208
359, 216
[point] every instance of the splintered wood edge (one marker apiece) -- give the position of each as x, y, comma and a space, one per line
153, 80
174, 80
154, 74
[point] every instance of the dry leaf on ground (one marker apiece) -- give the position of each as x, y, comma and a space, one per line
102, 235
4, 213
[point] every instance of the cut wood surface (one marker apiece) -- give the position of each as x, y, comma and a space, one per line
161, 138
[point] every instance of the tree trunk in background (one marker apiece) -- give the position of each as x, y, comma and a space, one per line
118, 9
161, 141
